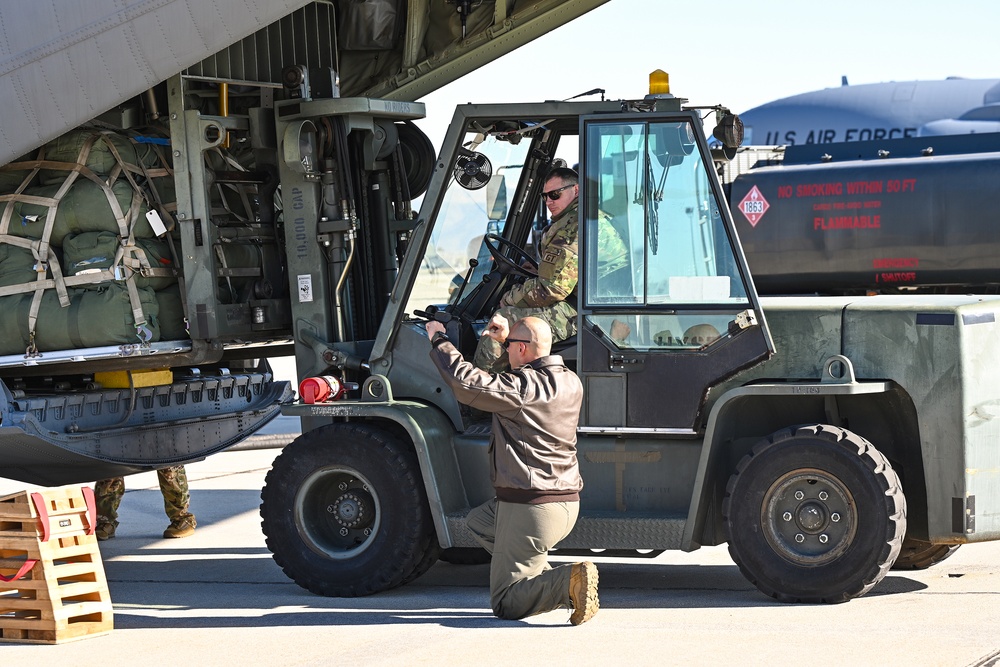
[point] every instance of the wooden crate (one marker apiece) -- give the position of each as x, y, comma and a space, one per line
62, 594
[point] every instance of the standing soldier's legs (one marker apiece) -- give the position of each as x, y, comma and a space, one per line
176, 499
108, 495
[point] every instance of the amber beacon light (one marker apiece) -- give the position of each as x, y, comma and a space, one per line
659, 83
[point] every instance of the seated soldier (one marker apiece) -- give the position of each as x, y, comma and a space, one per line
545, 296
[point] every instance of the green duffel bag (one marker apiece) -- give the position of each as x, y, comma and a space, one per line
100, 160
165, 194
84, 208
171, 317
17, 265
94, 318
97, 250
11, 177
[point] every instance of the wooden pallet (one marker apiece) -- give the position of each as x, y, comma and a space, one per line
57, 591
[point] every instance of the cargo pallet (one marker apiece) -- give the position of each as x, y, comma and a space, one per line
52, 583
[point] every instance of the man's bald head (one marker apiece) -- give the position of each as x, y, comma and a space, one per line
538, 332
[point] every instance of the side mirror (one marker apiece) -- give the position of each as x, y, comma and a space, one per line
496, 197
673, 139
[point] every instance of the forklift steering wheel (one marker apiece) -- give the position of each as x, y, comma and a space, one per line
505, 265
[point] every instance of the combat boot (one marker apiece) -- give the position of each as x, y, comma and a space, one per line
181, 528
105, 530
583, 592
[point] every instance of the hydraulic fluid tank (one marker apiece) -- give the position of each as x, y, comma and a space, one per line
927, 219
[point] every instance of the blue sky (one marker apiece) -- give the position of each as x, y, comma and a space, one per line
739, 54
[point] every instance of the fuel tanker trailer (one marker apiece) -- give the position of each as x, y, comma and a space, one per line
888, 216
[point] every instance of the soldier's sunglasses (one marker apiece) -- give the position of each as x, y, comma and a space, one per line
506, 343
557, 193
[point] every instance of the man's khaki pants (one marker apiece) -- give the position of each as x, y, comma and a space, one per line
519, 537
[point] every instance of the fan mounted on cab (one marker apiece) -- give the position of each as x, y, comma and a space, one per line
472, 169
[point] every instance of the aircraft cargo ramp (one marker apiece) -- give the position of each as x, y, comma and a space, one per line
62, 438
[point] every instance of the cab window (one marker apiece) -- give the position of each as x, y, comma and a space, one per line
654, 235
465, 216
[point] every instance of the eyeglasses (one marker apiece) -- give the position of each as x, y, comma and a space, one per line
557, 193
506, 343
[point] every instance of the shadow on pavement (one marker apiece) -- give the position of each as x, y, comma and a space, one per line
200, 582
251, 591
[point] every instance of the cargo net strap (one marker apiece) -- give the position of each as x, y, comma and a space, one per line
46, 261
130, 259
218, 159
23, 567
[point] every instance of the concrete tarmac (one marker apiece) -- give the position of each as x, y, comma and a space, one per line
217, 598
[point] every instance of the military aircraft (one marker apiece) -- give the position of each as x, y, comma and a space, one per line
890, 110
63, 65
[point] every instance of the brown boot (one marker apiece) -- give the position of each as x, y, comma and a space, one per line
583, 592
181, 528
105, 531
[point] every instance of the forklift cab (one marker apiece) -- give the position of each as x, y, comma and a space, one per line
654, 336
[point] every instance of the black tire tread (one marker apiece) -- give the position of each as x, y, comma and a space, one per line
895, 504
338, 443
920, 555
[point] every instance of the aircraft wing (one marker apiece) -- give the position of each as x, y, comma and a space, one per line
65, 63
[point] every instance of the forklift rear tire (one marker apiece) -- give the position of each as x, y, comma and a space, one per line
920, 555
814, 514
345, 513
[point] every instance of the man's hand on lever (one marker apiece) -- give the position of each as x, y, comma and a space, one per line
498, 329
433, 327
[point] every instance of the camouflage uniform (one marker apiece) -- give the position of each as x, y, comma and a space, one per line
611, 251
176, 499
545, 296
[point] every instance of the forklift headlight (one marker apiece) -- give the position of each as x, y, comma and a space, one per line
729, 131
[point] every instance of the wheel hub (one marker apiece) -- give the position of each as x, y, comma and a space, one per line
349, 510
337, 512
809, 517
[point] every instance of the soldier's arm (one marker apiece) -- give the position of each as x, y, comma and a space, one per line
611, 252
557, 275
